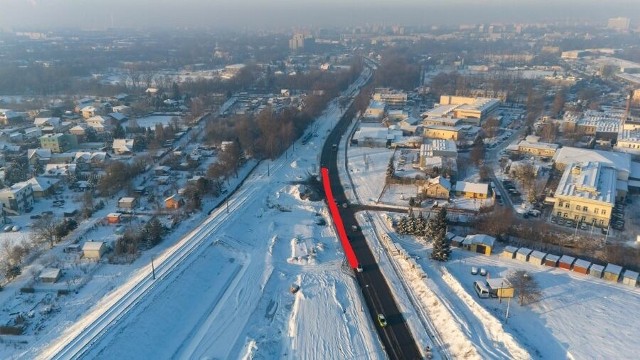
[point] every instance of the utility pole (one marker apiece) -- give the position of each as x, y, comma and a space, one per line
153, 269
507, 316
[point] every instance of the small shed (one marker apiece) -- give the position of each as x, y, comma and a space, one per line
127, 203
630, 278
596, 270
612, 272
94, 249
479, 243
551, 260
581, 266
566, 262
173, 202
509, 252
500, 287
114, 218
457, 241
523, 254
537, 257
50, 275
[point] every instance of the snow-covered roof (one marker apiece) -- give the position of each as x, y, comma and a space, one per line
482, 239
50, 273
596, 268
510, 249
41, 153
582, 264
537, 254
537, 145
442, 181
92, 245
118, 116
613, 269
635, 170
629, 274
568, 155
499, 283
524, 251
566, 259
469, 187
590, 180
551, 257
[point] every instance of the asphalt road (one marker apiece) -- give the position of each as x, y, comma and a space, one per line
396, 337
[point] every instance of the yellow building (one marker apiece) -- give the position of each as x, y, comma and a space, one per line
437, 188
500, 287
471, 190
586, 193
442, 132
479, 243
530, 145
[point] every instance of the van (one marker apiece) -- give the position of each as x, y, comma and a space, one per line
481, 289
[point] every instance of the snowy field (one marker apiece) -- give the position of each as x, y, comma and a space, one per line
578, 317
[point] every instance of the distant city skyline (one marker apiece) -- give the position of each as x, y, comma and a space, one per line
101, 14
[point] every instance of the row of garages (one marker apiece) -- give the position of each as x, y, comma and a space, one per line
611, 272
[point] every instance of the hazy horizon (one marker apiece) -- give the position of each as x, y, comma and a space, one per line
101, 14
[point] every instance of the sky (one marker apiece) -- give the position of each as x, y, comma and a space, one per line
247, 14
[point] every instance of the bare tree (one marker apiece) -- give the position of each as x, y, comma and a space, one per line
44, 229
526, 287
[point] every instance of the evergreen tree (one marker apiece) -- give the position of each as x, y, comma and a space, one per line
437, 230
390, 169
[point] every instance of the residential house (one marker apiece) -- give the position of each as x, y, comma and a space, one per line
50, 275
99, 123
114, 218
58, 143
437, 188
47, 122
43, 186
33, 133
41, 156
78, 130
127, 202
118, 117
18, 198
471, 190
173, 202
89, 111
94, 250
122, 146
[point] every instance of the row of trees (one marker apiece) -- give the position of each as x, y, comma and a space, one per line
434, 229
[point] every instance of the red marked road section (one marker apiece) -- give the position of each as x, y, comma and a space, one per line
337, 220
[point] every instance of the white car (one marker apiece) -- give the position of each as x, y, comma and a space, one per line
474, 270
15, 228
483, 271
7, 228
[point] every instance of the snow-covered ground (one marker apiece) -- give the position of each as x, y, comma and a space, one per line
230, 296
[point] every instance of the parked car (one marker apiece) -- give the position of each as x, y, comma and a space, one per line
7, 228
474, 270
15, 228
483, 271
